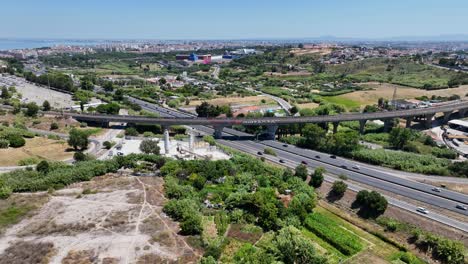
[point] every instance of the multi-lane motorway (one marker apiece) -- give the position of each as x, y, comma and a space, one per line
291, 156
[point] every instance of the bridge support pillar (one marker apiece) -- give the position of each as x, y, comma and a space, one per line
218, 133
271, 131
447, 116
335, 127
191, 138
167, 143
362, 126
462, 112
388, 124
408, 121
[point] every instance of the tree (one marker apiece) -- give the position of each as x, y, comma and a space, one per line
5, 94
292, 247
149, 146
191, 225
46, 106
110, 109
32, 109
294, 110
79, 156
87, 84
16, 140
43, 167
78, 139
301, 171
372, 203
399, 137
108, 86
317, 177
339, 188
314, 136
119, 95
107, 144
301, 205
131, 131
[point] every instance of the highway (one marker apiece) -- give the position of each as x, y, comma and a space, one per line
369, 176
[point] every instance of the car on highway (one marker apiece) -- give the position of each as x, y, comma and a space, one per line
260, 153
356, 167
304, 162
461, 207
281, 161
120, 153
317, 156
343, 166
422, 210
285, 145
436, 189
333, 156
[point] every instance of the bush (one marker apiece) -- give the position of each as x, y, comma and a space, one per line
149, 146
372, 203
107, 144
339, 188
28, 161
16, 140
131, 131
317, 177
4, 143
79, 156
301, 171
43, 167
5, 192
78, 139
269, 151
54, 126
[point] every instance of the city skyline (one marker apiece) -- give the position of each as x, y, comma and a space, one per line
362, 19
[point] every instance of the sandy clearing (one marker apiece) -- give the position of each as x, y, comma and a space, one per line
107, 223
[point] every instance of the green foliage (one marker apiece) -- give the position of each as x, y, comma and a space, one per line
331, 231
339, 188
301, 171
292, 247
399, 160
110, 109
317, 177
15, 140
131, 131
55, 79
221, 220
459, 169
28, 161
4, 143
46, 106
57, 177
43, 167
399, 137
54, 126
269, 151
372, 203
210, 140
446, 250
107, 144
149, 146
78, 139
12, 215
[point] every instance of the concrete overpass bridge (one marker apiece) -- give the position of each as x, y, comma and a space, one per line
271, 123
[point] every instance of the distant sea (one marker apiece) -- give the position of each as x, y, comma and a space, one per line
7, 44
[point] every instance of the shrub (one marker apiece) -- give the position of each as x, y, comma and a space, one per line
131, 131
4, 143
28, 161
149, 146
43, 167
5, 192
16, 140
317, 177
107, 144
54, 126
339, 188
79, 156
269, 151
372, 203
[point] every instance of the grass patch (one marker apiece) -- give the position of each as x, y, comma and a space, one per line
331, 231
12, 215
347, 103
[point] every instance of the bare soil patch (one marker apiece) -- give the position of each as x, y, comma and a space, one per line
120, 221
247, 100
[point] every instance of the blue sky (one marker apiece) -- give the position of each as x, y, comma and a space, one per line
201, 19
